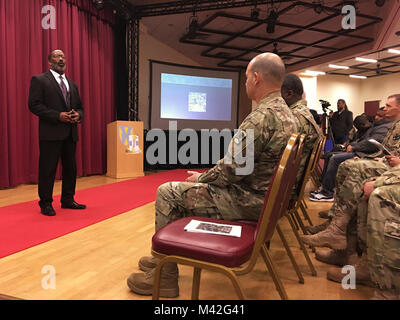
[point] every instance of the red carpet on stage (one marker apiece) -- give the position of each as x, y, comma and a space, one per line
23, 226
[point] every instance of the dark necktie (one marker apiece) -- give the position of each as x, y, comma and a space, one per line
63, 88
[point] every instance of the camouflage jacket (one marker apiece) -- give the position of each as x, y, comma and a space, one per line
266, 130
309, 127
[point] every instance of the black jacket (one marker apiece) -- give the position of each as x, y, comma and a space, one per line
341, 123
47, 102
362, 147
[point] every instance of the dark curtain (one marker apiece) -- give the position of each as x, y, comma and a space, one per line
87, 39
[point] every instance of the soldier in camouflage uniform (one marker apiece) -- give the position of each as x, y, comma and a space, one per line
378, 229
292, 92
350, 181
221, 192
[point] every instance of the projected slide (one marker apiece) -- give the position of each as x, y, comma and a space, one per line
195, 98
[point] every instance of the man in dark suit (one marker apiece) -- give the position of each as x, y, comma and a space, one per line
55, 100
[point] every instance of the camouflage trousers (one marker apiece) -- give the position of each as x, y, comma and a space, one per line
379, 235
176, 200
350, 180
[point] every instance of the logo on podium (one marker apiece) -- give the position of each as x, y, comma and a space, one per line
129, 140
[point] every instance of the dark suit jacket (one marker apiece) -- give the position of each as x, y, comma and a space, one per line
47, 102
341, 123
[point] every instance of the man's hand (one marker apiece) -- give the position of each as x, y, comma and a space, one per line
393, 160
74, 116
349, 148
193, 176
368, 188
65, 117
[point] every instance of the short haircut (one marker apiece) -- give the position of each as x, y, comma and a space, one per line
270, 66
397, 97
51, 54
293, 82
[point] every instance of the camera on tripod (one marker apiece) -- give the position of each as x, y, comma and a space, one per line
325, 105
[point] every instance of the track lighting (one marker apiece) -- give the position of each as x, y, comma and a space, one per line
318, 8
271, 21
99, 4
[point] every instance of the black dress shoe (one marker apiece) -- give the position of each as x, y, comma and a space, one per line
73, 205
48, 210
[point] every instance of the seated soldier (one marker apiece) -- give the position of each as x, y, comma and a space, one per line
350, 181
378, 231
220, 192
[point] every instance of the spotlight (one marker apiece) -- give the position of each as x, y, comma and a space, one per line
99, 4
193, 24
271, 21
318, 8
255, 13
380, 3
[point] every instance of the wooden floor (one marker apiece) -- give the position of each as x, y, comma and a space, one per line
94, 262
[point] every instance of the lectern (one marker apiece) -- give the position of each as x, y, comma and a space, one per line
125, 149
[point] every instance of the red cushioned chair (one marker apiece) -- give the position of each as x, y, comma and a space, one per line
229, 255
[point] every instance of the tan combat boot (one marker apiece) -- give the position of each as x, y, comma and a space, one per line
361, 271
317, 228
148, 263
142, 283
333, 257
334, 236
339, 257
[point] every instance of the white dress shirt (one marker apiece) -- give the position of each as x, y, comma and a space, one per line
57, 77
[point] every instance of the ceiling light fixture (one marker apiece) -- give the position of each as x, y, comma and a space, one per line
99, 4
313, 73
318, 8
255, 13
335, 66
380, 3
366, 60
357, 77
395, 51
271, 21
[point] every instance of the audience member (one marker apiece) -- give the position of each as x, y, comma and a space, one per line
292, 92
220, 192
360, 147
341, 122
350, 180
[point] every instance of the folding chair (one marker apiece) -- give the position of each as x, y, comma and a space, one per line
294, 218
229, 255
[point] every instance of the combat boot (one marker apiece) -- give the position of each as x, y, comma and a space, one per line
148, 263
340, 257
361, 272
334, 236
317, 228
142, 283
333, 257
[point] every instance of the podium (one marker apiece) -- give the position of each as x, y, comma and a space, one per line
125, 149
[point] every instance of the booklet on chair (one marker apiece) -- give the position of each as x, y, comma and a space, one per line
214, 228
380, 146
